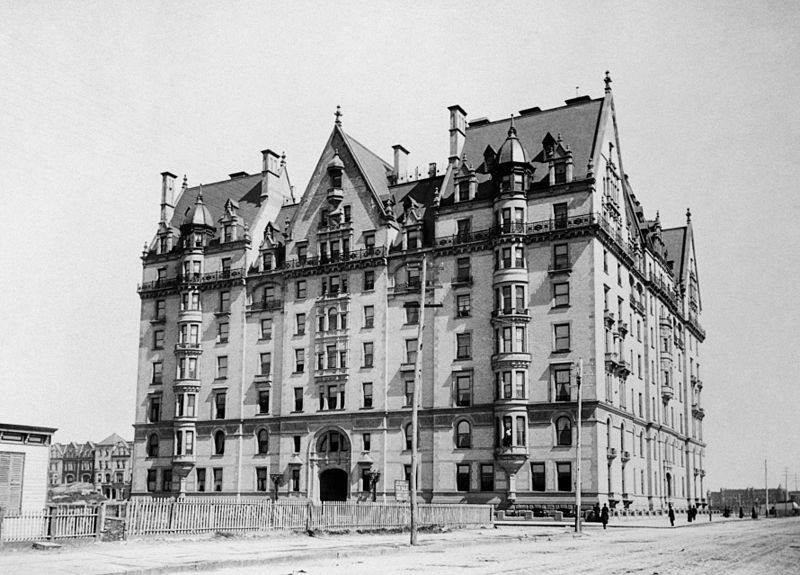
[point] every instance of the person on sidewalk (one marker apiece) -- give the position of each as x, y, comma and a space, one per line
753, 513
741, 512
596, 513
671, 516
604, 515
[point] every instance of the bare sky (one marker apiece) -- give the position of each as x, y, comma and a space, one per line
97, 98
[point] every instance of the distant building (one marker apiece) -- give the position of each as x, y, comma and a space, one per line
279, 338
24, 455
749, 497
106, 465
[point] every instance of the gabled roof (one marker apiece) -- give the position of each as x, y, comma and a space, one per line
244, 190
675, 242
373, 168
112, 439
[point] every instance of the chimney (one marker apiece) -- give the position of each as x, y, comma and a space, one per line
458, 131
167, 196
269, 172
400, 163
432, 170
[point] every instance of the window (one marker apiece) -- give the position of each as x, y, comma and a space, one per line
413, 277
560, 256
409, 436
462, 477
222, 333
487, 477
463, 191
298, 399
161, 310
262, 441
561, 377
151, 479
219, 405
166, 480
261, 479
563, 431
538, 482
463, 435
302, 253
562, 339
219, 442
331, 354
158, 339
152, 445
369, 316
222, 366
158, 373
295, 479
300, 289
463, 270
409, 391
463, 305
366, 441
369, 280
162, 274
414, 239
560, 213
266, 328
154, 413
464, 345
217, 478
367, 393
266, 363
300, 319
564, 472
332, 442
412, 313
263, 401
224, 302
369, 242
299, 360
296, 443
463, 390
411, 351
561, 294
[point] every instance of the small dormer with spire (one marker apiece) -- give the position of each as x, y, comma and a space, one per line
198, 226
558, 157
466, 182
231, 223
269, 250
335, 171
509, 167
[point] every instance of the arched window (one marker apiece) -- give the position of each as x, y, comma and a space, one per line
563, 431
262, 441
408, 436
463, 434
152, 445
608, 432
108, 478
219, 442
332, 319
70, 478
641, 444
332, 442
621, 438
86, 478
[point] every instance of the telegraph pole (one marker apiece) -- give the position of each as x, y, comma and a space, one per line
578, 452
415, 402
766, 491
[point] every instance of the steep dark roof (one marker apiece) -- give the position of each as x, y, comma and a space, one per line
374, 169
577, 124
675, 242
112, 439
421, 191
246, 191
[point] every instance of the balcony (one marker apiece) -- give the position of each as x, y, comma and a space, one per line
223, 275
511, 359
622, 329
265, 305
698, 412
262, 380
665, 321
611, 453
625, 457
637, 306
318, 261
186, 384
162, 284
510, 314
608, 317
511, 451
667, 392
462, 280
679, 342
184, 458
188, 348
612, 360
335, 195
624, 368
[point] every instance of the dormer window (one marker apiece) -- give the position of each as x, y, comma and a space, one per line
336, 179
266, 261
302, 253
561, 172
228, 233
414, 239
323, 218
163, 244
369, 241
463, 191
346, 210
198, 240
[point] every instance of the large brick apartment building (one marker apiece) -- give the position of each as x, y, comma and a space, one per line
278, 337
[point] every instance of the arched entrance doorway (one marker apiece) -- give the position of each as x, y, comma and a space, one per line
333, 485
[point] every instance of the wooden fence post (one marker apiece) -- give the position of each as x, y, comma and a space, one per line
309, 511
171, 515
100, 519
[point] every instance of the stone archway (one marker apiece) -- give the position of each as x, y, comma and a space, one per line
333, 485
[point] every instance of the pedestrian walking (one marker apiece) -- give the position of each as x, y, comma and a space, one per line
689, 515
596, 513
753, 513
741, 512
604, 515
671, 516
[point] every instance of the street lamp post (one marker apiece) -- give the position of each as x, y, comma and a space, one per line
414, 404
578, 526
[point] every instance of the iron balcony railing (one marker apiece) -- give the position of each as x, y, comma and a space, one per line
311, 261
265, 305
191, 278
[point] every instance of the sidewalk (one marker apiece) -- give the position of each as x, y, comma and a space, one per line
644, 522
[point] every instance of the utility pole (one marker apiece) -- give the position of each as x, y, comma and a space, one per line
766, 491
578, 526
414, 403
786, 483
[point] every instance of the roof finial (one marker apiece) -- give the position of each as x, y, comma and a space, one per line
338, 114
512, 131
283, 159
185, 184
607, 80
688, 216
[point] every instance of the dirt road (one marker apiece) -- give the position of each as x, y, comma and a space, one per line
747, 547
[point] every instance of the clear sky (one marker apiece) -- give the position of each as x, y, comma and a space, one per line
98, 98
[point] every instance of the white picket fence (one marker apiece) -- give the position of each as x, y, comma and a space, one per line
187, 517
63, 522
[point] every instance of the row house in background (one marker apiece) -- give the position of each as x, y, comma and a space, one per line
278, 338
106, 465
